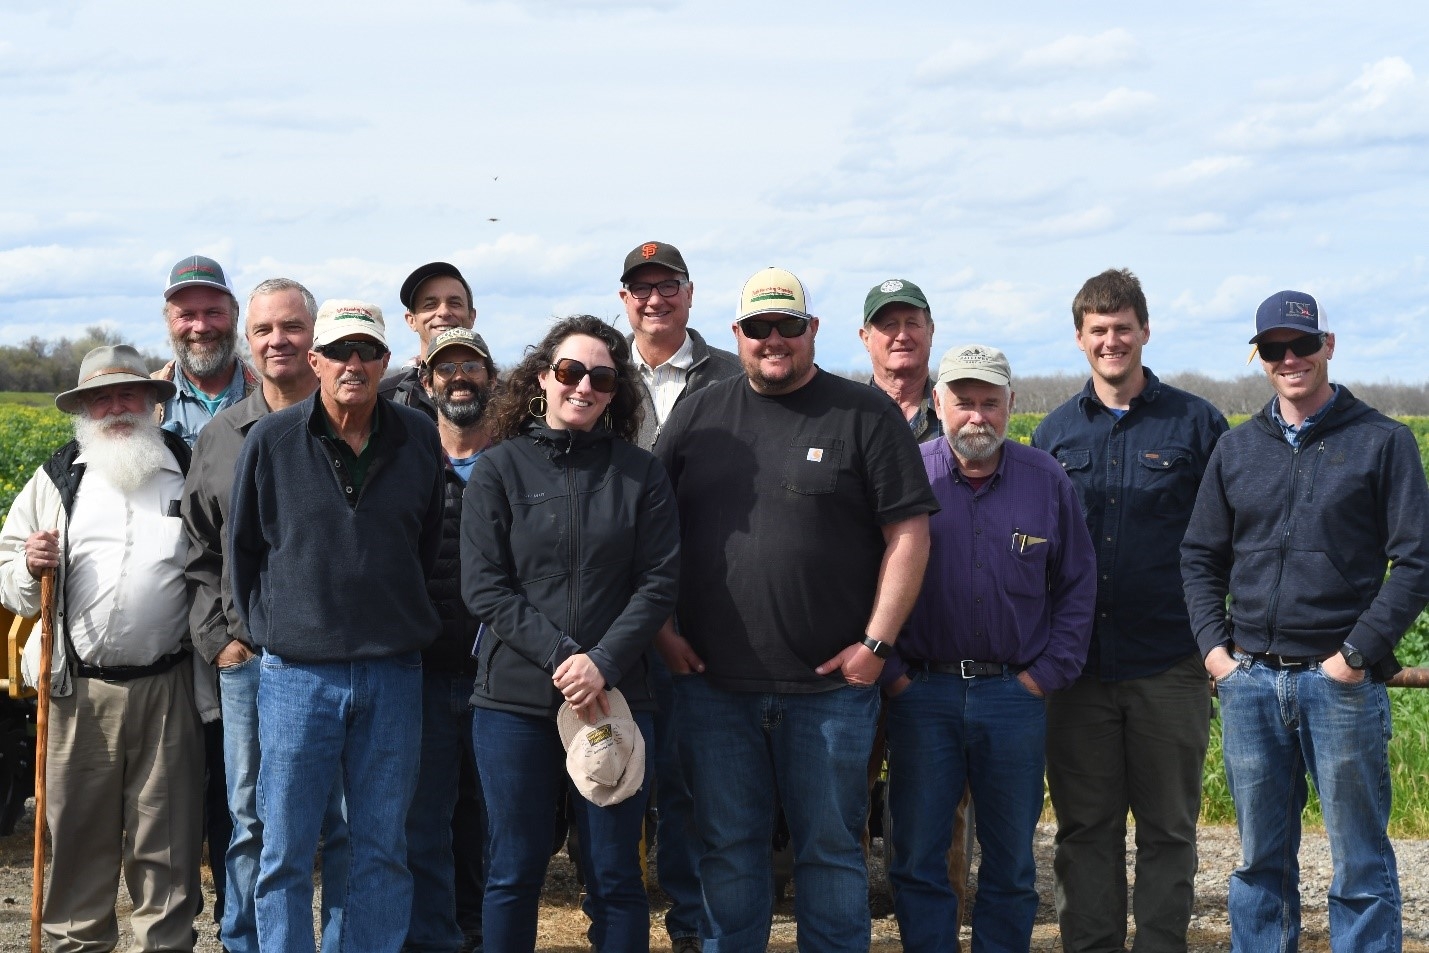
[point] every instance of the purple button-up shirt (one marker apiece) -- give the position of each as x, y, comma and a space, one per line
1011, 572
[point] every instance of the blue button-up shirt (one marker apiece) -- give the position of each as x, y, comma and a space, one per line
1137, 476
187, 413
1011, 574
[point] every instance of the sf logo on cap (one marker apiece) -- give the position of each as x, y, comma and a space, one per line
648, 250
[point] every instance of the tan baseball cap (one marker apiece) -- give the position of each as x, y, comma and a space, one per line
338, 318
773, 291
606, 760
975, 362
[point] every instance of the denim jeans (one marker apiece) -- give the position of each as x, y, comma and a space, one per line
1279, 725
361, 721
1138, 744
945, 732
745, 752
239, 695
446, 731
676, 843
523, 775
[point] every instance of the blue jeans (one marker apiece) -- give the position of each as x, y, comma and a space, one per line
945, 732
745, 752
446, 730
318, 722
1279, 725
239, 695
523, 775
676, 843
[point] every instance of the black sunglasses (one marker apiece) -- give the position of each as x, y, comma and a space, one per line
342, 351
569, 372
757, 329
1303, 346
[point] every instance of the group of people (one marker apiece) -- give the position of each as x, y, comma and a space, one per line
417, 598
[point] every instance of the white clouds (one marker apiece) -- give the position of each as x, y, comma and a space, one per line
1001, 61
1199, 170
1077, 224
1235, 296
1200, 223
1120, 109
1385, 104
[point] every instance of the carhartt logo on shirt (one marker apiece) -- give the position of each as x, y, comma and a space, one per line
816, 455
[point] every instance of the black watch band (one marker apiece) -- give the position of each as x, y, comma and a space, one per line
878, 647
1353, 657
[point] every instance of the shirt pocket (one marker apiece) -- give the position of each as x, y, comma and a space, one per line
811, 466
1168, 478
1027, 564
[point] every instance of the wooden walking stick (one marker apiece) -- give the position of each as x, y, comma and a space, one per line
42, 737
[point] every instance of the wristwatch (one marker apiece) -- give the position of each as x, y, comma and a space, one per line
1353, 658
878, 647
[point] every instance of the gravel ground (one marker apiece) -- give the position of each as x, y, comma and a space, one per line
563, 925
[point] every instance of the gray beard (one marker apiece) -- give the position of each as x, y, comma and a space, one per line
206, 359
462, 414
126, 460
976, 447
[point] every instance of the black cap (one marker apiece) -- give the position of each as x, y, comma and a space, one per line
431, 269
654, 253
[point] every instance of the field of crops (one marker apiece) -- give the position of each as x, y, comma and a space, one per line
29, 434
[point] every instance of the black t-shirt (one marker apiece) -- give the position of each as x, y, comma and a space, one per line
782, 503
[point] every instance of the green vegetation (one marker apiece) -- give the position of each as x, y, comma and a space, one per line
26, 398
29, 434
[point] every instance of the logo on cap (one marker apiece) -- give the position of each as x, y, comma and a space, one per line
352, 314
1297, 309
975, 355
648, 250
890, 286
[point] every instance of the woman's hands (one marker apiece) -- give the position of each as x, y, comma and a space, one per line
581, 684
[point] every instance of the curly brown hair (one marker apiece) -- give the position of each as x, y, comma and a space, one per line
510, 408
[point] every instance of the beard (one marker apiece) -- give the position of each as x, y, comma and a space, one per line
462, 413
780, 382
126, 449
976, 444
200, 359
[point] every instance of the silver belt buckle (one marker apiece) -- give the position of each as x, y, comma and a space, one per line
963, 667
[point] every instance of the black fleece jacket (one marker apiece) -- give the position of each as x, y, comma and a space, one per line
1300, 538
570, 543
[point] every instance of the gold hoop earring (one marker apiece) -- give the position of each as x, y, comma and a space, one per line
531, 405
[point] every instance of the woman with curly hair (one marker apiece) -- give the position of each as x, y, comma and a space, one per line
569, 555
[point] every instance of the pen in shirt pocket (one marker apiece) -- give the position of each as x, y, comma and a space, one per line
173, 509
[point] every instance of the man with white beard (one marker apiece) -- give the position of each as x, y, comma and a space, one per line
207, 374
1004, 618
125, 747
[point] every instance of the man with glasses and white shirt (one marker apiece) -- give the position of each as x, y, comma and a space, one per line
674, 362
804, 521
1300, 510
336, 526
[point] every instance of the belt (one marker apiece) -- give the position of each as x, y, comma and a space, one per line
127, 673
1273, 660
967, 668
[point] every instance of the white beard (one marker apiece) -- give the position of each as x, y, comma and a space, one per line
126, 460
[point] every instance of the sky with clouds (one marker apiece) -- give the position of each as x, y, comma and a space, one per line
996, 155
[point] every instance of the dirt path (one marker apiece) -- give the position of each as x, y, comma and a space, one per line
563, 925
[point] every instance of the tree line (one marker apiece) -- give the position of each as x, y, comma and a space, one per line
48, 367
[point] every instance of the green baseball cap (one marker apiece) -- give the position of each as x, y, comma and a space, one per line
894, 291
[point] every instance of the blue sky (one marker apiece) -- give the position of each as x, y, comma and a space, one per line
998, 155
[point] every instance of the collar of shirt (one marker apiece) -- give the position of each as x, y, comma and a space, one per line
1092, 404
993, 478
683, 359
1292, 433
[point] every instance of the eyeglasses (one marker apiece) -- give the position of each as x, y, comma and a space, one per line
570, 372
342, 351
448, 368
640, 290
758, 329
1303, 346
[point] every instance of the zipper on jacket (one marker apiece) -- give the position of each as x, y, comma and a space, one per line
1272, 609
574, 598
1315, 471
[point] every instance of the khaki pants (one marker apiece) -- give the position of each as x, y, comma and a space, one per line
125, 776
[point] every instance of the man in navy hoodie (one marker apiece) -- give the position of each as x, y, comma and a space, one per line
1300, 510
336, 523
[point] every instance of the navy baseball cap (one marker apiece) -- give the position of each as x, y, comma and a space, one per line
1289, 309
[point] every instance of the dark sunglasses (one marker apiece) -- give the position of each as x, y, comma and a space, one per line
448, 368
1302, 346
757, 329
569, 372
342, 351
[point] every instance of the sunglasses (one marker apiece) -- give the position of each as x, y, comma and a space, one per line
342, 351
757, 329
1302, 346
570, 371
448, 368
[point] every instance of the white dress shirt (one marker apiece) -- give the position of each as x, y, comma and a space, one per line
667, 382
